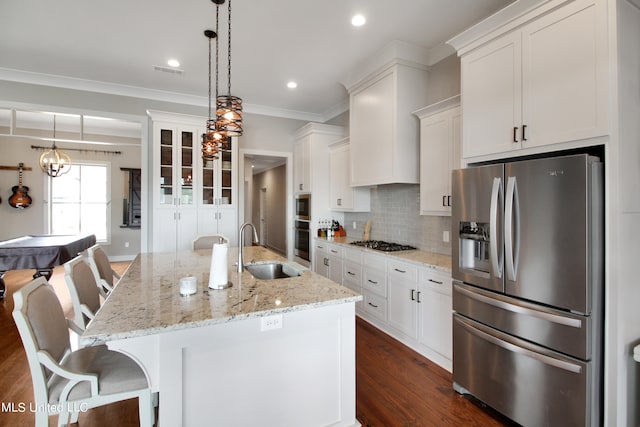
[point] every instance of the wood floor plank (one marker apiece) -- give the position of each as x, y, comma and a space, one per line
395, 386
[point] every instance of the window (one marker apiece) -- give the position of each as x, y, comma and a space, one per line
80, 201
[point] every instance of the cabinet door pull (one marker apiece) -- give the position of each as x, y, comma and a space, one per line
300, 185
524, 135
413, 294
326, 262
418, 299
371, 281
435, 281
373, 305
515, 134
339, 202
399, 271
350, 273
334, 251
444, 198
449, 201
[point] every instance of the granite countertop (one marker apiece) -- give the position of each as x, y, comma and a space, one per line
147, 300
421, 258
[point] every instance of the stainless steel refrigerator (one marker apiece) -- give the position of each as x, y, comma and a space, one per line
528, 288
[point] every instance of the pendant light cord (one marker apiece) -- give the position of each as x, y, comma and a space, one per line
229, 53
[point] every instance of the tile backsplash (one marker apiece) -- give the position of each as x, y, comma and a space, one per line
395, 217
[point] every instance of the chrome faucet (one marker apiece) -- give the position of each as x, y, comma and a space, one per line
241, 243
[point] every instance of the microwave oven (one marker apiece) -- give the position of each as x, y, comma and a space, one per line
303, 207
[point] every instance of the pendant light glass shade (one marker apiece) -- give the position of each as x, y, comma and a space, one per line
55, 162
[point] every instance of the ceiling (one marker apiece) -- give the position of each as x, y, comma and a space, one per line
113, 46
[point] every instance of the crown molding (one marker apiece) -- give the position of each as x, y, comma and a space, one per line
145, 93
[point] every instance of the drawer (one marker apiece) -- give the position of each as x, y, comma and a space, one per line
320, 246
375, 281
352, 272
375, 305
354, 255
334, 250
439, 282
401, 270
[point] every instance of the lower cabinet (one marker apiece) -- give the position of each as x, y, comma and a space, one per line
435, 322
409, 302
327, 261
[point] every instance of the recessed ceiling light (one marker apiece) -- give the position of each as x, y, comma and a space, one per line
292, 85
173, 63
358, 20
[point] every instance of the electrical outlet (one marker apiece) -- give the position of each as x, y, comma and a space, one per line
269, 323
126, 244
355, 225
445, 236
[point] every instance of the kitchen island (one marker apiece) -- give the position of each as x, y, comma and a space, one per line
261, 352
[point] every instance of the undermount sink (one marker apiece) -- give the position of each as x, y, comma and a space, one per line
271, 270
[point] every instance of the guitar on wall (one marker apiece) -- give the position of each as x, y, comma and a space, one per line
20, 198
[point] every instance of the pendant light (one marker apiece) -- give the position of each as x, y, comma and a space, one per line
228, 107
55, 162
211, 139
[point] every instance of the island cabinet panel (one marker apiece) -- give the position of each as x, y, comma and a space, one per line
235, 373
542, 84
383, 132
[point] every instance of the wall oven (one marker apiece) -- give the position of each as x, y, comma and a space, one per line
302, 239
303, 207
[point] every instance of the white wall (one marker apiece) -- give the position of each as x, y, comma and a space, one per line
262, 133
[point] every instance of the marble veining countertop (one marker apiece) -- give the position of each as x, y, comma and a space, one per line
147, 300
421, 258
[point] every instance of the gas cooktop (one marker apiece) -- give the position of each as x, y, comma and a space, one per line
381, 245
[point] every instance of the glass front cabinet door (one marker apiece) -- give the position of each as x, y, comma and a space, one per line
192, 196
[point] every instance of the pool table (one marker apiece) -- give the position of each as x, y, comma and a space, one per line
41, 253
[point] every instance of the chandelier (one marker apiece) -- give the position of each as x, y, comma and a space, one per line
55, 162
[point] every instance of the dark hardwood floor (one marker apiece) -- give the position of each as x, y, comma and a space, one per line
395, 386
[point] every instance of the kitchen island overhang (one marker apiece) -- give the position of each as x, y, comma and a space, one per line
277, 351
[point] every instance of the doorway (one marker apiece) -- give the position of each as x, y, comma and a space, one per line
266, 199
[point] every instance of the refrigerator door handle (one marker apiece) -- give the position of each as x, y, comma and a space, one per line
503, 305
543, 358
496, 260
511, 229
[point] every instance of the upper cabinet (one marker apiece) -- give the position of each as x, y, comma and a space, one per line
541, 83
383, 132
440, 126
342, 196
191, 197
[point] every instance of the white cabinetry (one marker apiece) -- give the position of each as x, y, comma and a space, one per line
342, 196
311, 167
175, 213
190, 198
435, 307
374, 286
543, 83
383, 132
440, 126
328, 261
352, 272
301, 166
403, 297
420, 308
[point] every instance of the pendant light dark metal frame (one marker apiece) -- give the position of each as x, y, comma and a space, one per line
228, 107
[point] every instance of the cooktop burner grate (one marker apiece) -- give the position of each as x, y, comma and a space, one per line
381, 245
